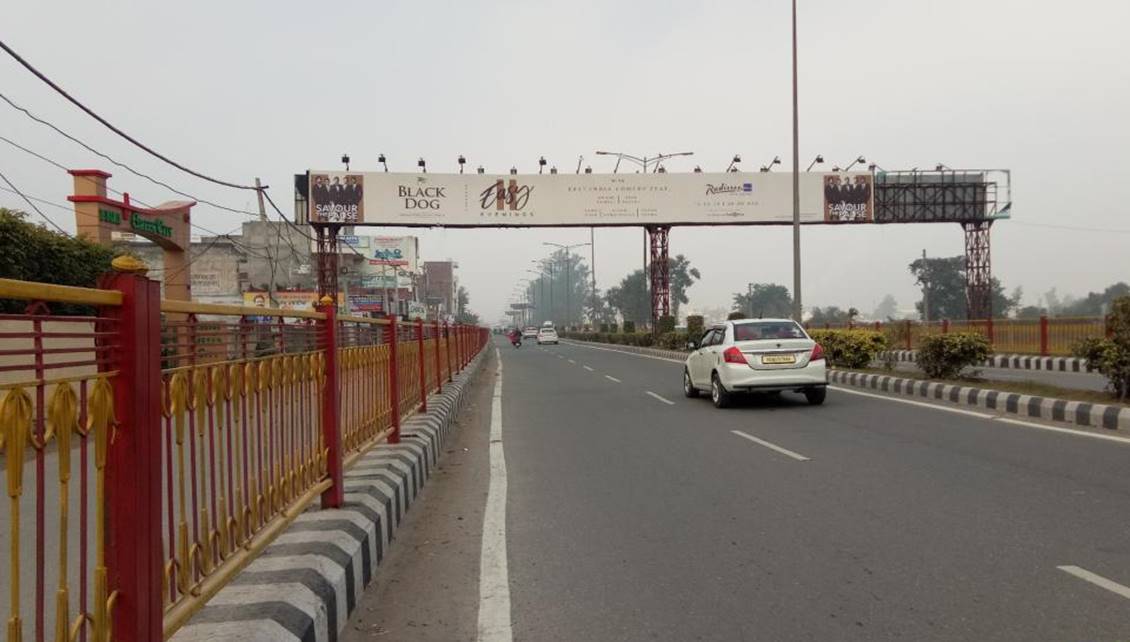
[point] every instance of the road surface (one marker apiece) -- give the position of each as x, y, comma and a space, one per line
634, 513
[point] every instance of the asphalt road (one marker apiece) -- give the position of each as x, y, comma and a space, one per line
634, 513
1077, 380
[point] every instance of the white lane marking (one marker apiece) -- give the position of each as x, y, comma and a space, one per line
612, 378
588, 368
634, 354
666, 401
771, 446
1075, 432
571, 361
1067, 431
1097, 580
494, 576
960, 411
560, 356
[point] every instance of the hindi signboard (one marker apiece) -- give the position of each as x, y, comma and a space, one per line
484, 200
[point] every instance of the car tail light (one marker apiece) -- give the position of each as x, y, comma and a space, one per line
817, 353
734, 355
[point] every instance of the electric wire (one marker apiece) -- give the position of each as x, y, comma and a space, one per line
38, 74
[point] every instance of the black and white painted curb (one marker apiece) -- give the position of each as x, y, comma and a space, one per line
1079, 413
307, 582
1012, 361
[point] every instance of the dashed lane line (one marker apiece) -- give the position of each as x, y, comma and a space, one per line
666, 401
771, 446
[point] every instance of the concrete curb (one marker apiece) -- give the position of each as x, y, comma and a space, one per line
1080, 413
307, 582
1013, 361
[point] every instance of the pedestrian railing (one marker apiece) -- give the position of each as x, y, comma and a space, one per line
1043, 336
152, 449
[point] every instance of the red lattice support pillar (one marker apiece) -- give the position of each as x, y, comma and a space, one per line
978, 270
660, 276
327, 261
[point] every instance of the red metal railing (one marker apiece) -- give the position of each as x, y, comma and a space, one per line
194, 433
1042, 336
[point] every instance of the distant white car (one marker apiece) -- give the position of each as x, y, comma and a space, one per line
547, 335
529, 332
756, 355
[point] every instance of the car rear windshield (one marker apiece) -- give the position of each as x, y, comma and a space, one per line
758, 330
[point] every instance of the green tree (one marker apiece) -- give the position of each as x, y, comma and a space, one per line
887, 309
630, 298
765, 300
564, 290
944, 282
33, 253
632, 301
1095, 303
682, 276
832, 315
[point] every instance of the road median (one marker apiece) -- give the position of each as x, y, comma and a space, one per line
1079, 413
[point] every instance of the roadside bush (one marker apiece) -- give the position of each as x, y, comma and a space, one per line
666, 324
613, 328
696, 325
735, 315
604, 327
1111, 357
944, 356
850, 348
629, 327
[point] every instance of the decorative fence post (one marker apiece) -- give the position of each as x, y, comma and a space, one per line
450, 366
394, 379
423, 366
989, 328
1043, 335
334, 496
909, 340
130, 540
945, 326
439, 367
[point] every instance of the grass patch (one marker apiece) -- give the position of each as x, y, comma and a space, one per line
1034, 388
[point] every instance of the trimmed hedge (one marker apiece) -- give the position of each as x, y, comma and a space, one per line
850, 348
1111, 357
666, 341
944, 356
696, 325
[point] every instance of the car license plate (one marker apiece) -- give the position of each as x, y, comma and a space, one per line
778, 358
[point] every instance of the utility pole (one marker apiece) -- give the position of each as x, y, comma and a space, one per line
925, 290
798, 308
262, 205
592, 248
749, 293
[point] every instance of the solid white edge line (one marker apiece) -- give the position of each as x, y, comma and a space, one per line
1074, 432
1097, 580
610, 378
771, 446
494, 576
588, 368
1067, 431
960, 411
571, 361
666, 401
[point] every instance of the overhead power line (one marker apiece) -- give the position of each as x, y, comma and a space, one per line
124, 166
33, 206
92, 114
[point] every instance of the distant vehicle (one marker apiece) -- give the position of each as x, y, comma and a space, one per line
530, 332
547, 324
547, 335
755, 355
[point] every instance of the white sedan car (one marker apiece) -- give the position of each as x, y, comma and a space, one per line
547, 335
756, 355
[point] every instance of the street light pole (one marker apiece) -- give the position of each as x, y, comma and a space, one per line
798, 309
568, 276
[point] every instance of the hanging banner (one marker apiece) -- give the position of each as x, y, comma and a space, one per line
484, 200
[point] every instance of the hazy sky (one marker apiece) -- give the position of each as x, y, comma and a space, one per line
270, 89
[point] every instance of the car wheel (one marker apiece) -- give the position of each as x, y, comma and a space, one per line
688, 386
718, 393
816, 396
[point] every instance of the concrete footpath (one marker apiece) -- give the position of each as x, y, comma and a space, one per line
308, 581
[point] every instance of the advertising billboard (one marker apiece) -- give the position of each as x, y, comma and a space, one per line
485, 200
